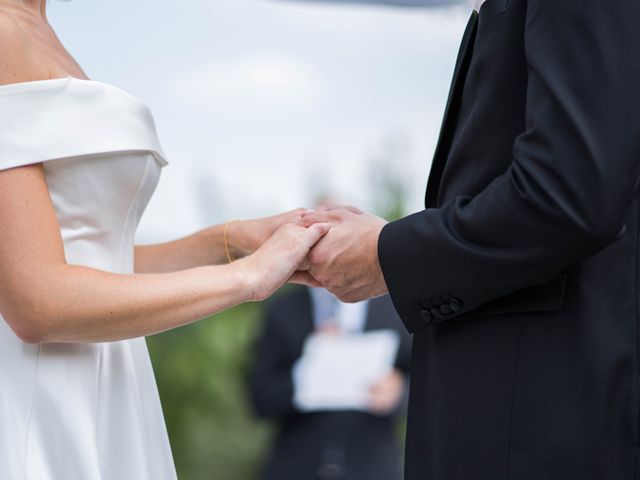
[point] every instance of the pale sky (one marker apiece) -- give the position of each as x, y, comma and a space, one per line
258, 101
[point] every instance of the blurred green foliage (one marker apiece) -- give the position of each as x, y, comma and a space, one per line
389, 178
201, 371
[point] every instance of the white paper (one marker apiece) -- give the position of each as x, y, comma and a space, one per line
335, 372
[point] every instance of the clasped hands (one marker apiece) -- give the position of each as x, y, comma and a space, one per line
340, 254
345, 261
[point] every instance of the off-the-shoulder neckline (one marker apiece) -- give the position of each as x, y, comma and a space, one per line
21, 86
86, 90
35, 83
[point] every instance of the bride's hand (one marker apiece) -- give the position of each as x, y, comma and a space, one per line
280, 257
247, 236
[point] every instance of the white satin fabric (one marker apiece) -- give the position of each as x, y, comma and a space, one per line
87, 411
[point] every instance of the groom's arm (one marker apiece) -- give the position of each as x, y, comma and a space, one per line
573, 174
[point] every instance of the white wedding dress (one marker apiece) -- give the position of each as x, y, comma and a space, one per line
85, 411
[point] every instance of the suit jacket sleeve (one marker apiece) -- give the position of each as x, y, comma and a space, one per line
403, 359
573, 173
271, 383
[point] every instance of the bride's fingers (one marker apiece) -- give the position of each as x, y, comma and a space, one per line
304, 278
294, 216
314, 233
304, 266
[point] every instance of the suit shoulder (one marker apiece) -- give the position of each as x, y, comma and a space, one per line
291, 302
287, 297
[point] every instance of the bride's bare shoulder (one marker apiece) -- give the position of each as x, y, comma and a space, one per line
16, 60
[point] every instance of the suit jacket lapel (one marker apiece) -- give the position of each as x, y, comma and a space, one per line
444, 141
306, 311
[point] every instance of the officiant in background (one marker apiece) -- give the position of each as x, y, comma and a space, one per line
332, 423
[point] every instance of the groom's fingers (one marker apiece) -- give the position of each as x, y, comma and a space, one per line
347, 295
304, 278
316, 217
304, 266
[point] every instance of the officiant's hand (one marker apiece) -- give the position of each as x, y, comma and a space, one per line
386, 394
345, 261
247, 236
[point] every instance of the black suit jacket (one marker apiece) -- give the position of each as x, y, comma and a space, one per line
322, 445
520, 279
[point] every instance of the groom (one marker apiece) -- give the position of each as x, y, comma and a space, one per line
520, 279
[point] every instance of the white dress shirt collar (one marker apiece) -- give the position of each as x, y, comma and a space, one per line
348, 317
476, 4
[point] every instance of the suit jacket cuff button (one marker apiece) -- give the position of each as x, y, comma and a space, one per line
426, 316
455, 304
446, 310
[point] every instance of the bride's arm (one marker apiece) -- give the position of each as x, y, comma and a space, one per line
43, 299
207, 246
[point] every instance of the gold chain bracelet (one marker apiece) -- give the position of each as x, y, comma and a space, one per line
226, 241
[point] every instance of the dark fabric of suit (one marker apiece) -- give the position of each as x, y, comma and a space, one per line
322, 445
520, 279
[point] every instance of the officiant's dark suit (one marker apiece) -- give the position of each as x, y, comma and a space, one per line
520, 279
336, 445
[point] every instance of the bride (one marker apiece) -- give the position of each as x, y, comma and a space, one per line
79, 160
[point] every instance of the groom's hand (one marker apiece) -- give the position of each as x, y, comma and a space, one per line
345, 261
